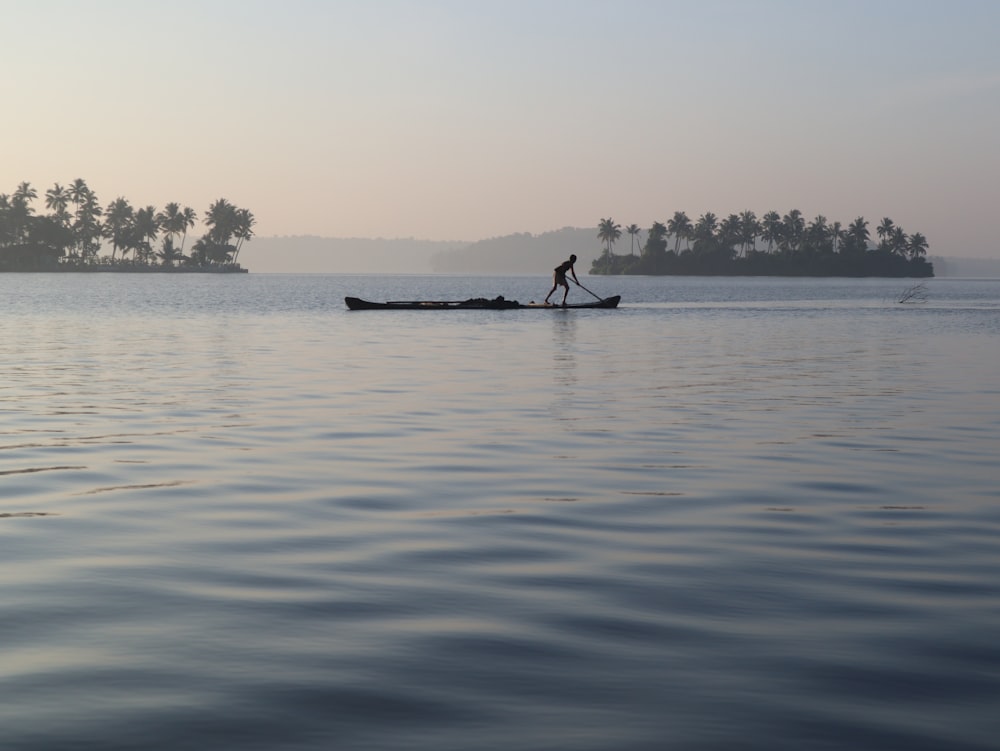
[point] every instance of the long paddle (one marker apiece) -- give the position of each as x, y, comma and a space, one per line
580, 285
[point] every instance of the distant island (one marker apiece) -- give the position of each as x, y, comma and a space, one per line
72, 235
775, 245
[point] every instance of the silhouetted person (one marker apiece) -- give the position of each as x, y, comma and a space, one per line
559, 278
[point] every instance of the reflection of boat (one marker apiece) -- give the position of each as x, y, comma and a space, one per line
475, 303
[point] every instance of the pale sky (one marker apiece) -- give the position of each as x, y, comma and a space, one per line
468, 119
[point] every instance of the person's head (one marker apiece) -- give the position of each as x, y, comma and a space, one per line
572, 258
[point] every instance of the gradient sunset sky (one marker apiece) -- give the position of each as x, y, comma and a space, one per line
466, 119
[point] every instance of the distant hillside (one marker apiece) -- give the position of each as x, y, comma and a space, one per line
523, 253
336, 255
967, 267
512, 254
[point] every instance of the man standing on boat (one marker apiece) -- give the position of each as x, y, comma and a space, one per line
559, 278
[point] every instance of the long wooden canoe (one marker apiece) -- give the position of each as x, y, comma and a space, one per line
476, 303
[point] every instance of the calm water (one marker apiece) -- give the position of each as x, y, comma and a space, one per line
732, 514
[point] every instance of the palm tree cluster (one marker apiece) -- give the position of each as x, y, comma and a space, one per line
773, 244
76, 228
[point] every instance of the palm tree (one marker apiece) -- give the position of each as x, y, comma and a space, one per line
794, 226
6, 232
899, 242
608, 232
186, 222
169, 220
749, 229
206, 251
25, 193
918, 246
730, 231
680, 227
221, 221
78, 192
633, 230
817, 235
836, 235
857, 237
199, 252
771, 229
146, 227
81, 196
173, 221
169, 254
56, 201
87, 227
705, 227
885, 230
244, 229
656, 240
118, 222
20, 211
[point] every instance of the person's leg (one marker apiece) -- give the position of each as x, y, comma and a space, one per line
556, 281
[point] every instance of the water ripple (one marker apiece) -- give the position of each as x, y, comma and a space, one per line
717, 520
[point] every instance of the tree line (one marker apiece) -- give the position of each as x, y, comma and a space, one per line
742, 244
75, 229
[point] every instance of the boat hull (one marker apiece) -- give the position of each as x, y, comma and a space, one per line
356, 303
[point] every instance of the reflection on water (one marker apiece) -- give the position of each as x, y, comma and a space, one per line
564, 349
732, 513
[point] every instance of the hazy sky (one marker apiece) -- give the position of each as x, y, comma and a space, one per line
466, 119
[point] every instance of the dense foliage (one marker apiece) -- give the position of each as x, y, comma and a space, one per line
775, 245
76, 229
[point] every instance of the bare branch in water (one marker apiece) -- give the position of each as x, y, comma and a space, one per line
915, 294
